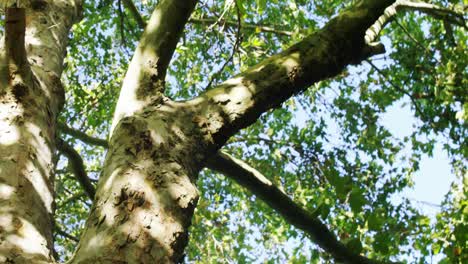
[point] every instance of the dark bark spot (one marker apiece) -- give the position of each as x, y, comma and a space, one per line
294, 74
145, 141
39, 5
178, 245
101, 221
19, 91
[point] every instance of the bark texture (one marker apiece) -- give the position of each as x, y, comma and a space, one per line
31, 95
147, 194
144, 82
238, 102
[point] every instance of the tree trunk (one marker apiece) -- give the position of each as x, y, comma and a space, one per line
147, 194
31, 95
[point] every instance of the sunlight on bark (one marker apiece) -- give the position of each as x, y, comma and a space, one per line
6, 191
10, 134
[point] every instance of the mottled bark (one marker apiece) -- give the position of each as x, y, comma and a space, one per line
31, 95
238, 102
146, 195
144, 82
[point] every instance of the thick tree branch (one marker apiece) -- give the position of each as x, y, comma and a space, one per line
77, 166
260, 186
238, 102
234, 48
144, 81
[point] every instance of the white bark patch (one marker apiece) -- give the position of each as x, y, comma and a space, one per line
41, 153
158, 132
110, 180
39, 184
15, 231
10, 134
184, 190
155, 20
128, 103
291, 62
6, 191
96, 241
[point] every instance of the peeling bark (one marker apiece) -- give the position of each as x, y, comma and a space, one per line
238, 102
144, 81
146, 195
31, 95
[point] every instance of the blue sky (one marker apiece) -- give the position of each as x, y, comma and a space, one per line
433, 180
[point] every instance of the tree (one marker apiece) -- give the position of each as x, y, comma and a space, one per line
173, 119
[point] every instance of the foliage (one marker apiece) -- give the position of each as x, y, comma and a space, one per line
327, 148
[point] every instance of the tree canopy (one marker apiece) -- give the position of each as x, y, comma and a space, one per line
325, 154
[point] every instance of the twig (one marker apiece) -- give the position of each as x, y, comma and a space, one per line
261, 28
122, 23
234, 48
59, 231
416, 105
134, 11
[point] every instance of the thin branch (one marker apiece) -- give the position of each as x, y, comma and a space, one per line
209, 20
82, 136
249, 26
451, 15
122, 23
426, 203
135, 13
260, 186
59, 231
411, 36
77, 166
234, 48
398, 88
73, 198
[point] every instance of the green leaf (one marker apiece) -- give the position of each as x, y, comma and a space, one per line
357, 200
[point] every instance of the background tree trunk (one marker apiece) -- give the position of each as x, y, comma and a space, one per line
31, 95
